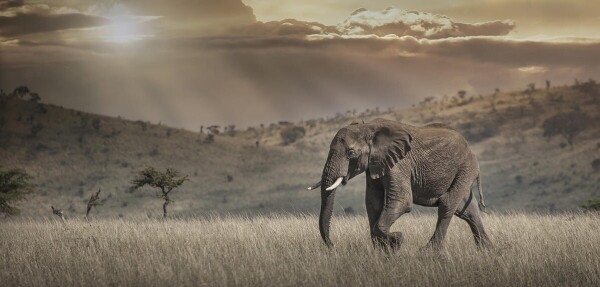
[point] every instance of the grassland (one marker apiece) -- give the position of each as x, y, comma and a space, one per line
530, 250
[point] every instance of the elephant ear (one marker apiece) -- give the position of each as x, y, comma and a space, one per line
389, 145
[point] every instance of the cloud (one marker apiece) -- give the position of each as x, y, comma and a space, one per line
4, 5
194, 17
390, 21
18, 19
287, 27
207, 57
417, 24
532, 69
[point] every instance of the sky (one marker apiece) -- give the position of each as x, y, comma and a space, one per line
188, 63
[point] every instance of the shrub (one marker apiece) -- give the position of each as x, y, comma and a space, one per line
567, 125
592, 204
210, 138
480, 131
15, 184
154, 152
35, 129
96, 124
290, 135
596, 165
519, 179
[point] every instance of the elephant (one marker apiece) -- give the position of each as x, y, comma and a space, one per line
430, 166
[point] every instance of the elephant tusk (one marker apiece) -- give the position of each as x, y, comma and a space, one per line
314, 186
335, 184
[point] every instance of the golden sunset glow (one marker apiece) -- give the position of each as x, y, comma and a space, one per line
278, 58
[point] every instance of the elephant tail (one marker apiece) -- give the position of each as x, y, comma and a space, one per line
480, 189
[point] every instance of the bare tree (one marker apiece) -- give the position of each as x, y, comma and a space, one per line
59, 213
165, 181
93, 202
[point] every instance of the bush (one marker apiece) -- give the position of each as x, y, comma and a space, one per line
567, 125
519, 179
290, 135
15, 184
596, 165
36, 129
210, 138
96, 124
592, 204
477, 132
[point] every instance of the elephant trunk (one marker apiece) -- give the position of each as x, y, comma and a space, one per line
327, 198
331, 172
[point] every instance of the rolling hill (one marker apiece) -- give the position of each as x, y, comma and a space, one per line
539, 150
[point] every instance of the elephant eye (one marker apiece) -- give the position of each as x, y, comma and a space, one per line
352, 153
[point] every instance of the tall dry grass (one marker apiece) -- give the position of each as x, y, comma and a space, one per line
542, 250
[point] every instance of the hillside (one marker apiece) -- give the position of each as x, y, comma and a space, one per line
72, 153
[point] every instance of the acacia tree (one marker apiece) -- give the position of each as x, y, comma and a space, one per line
165, 181
15, 184
20, 91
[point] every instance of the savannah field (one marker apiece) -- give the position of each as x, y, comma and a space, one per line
286, 250
226, 227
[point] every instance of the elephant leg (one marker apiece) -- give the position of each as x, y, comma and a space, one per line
447, 206
468, 211
398, 201
374, 200
381, 235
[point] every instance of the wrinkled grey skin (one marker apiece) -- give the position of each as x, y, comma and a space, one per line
429, 166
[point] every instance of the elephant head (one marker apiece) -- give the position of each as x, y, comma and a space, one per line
373, 148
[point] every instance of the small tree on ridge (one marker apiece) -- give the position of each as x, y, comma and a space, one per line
165, 181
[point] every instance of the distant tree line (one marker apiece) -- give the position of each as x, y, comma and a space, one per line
22, 92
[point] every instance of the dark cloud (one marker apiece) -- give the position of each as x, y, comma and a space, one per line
567, 52
23, 24
195, 17
7, 4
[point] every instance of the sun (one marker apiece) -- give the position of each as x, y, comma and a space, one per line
127, 29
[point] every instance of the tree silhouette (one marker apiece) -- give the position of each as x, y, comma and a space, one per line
93, 202
214, 129
20, 91
165, 181
59, 213
15, 184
